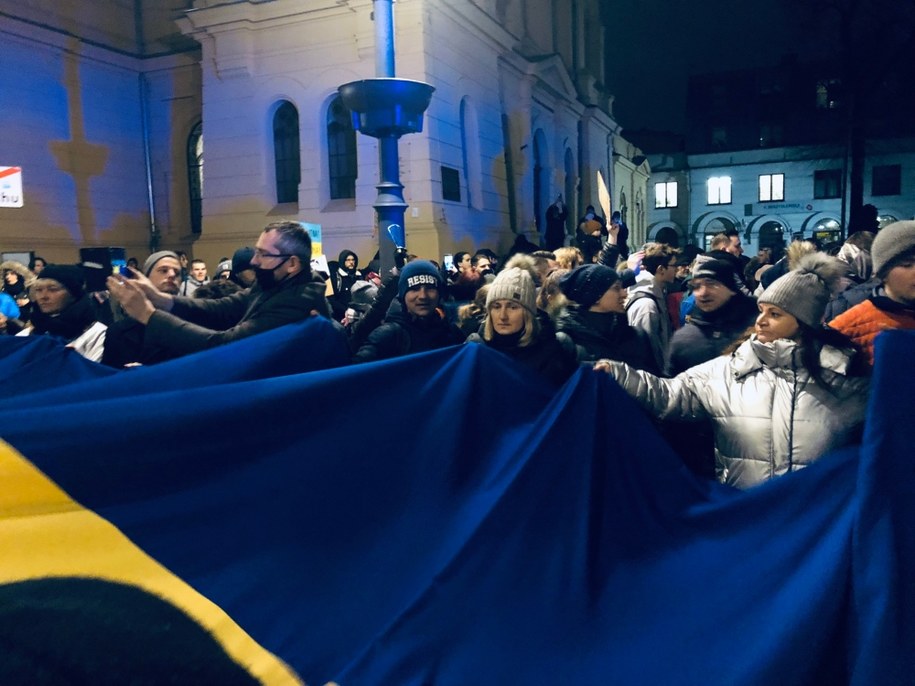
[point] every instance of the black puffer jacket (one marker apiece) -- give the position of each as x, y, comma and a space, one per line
604, 335
707, 334
402, 334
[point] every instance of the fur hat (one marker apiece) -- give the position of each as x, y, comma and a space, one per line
151, 261
718, 270
805, 292
70, 276
513, 284
587, 284
892, 241
417, 273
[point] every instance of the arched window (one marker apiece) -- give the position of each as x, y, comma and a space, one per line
341, 151
286, 153
195, 175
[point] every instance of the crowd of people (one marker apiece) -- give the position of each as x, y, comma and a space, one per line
751, 367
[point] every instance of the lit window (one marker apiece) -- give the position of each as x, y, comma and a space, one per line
286, 153
665, 194
719, 190
771, 187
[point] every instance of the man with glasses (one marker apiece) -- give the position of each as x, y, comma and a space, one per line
284, 292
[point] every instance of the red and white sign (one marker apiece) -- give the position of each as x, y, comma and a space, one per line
10, 186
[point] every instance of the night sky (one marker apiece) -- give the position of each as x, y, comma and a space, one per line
654, 45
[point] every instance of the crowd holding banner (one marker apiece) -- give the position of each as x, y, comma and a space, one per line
441, 518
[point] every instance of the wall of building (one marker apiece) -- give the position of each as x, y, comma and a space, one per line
798, 214
517, 83
73, 114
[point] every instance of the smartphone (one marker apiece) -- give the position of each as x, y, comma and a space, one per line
449, 263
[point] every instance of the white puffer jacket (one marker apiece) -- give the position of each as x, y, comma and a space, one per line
770, 417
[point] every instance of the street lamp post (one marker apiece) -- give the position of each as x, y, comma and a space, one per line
387, 108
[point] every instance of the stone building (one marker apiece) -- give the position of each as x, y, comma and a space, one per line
191, 126
767, 154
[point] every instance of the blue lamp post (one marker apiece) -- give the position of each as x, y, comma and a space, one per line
386, 108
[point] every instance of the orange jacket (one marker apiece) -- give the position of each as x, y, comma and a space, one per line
865, 320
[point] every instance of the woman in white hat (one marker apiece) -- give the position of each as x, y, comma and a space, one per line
513, 327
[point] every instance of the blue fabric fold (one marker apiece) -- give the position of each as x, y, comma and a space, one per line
446, 518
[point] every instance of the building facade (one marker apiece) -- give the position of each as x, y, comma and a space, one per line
767, 154
192, 128
775, 195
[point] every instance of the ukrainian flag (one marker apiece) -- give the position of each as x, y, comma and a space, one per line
442, 518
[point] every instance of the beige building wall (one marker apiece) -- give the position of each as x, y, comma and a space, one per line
72, 115
630, 191
518, 110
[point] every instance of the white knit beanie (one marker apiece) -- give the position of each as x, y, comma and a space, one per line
513, 284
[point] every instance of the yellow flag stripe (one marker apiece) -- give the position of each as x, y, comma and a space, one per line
44, 533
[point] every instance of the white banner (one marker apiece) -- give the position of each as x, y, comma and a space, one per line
10, 186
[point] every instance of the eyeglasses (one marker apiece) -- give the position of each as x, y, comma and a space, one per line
260, 254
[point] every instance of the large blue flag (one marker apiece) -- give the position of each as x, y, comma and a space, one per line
445, 518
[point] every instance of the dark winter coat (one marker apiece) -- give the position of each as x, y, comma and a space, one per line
707, 334
604, 335
70, 323
850, 297
403, 334
342, 281
125, 343
194, 325
550, 354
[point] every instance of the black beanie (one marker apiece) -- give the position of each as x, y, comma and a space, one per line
70, 276
241, 260
587, 284
718, 270
417, 273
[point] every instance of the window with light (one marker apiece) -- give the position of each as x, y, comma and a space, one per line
719, 190
771, 187
665, 194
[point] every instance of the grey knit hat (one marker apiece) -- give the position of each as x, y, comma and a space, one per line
805, 291
513, 284
892, 241
150, 263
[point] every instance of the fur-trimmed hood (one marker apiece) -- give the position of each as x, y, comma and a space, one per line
19, 268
